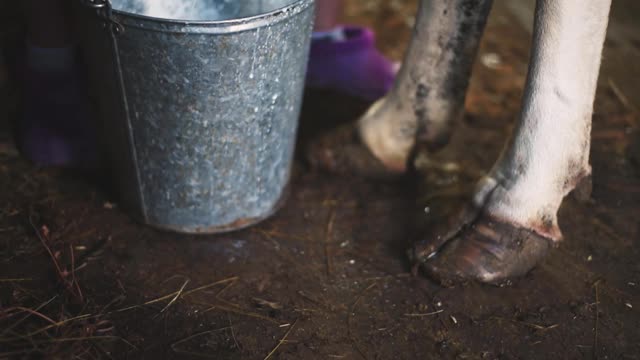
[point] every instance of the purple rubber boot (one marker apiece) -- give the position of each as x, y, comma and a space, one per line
351, 65
55, 129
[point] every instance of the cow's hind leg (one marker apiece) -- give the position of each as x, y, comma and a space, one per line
428, 95
511, 222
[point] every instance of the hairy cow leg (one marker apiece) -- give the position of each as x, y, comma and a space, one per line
511, 222
427, 97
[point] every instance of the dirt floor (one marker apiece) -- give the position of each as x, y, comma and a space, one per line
327, 276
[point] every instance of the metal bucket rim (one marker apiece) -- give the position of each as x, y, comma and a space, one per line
213, 26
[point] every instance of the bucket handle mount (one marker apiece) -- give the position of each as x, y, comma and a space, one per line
103, 10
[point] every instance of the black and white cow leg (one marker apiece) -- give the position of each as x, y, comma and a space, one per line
428, 95
511, 223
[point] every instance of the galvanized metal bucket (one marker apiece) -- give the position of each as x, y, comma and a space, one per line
199, 117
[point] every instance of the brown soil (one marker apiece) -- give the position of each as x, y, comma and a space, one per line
327, 276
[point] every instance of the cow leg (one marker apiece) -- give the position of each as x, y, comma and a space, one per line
428, 95
511, 222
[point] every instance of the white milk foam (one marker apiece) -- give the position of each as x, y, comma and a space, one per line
170, 9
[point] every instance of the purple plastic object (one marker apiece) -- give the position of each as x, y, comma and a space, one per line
55, 129
353, 66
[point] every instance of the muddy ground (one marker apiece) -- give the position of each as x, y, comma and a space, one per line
327, 276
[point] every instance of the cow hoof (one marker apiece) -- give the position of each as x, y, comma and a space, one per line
486, 250
342, 152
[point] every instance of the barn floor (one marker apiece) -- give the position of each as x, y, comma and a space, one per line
326, 277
